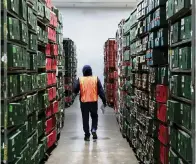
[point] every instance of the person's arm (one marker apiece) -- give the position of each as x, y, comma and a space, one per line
101, 92
76, 88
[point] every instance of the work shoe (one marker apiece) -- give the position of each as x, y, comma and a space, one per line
94, 135
86, 138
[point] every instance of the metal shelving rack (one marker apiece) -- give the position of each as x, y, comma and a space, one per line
4, 75
4, 87
193, 71
176, 17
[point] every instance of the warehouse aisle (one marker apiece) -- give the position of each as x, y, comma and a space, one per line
111, 148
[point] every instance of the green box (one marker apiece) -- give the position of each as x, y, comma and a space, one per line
23, 9
40, 127
175, 85
185, 58
183, 4
32, 19
185, 115
14, 53
22, 81
126, 55
14, 147
186, 29
33, 143
175, 32
16, 114
35, 157
13, 6
42, 151
25, 153
32, 122
33, 61
32, 42
28, 59
43, 100
29, 82
34, 82
34, 101
186, 86
46, 13
173, 158
173, 138
30, 103
184, 145
40, 9
39, 34
13, 29
19, 160
24, 33
25, 58
24, 133
170, 8
175, 58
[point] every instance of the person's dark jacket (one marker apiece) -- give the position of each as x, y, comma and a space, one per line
87, 71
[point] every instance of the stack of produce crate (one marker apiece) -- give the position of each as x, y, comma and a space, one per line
157, 96
60, 73
179, 105
70, 70
28, 95
119, 93
110, 71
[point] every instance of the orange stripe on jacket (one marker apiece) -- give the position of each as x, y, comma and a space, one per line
88, 89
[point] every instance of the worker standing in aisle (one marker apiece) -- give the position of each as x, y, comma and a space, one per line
90, 88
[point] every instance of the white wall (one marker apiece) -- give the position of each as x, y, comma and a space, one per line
89, 28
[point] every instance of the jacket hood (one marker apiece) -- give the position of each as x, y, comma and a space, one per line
87, 70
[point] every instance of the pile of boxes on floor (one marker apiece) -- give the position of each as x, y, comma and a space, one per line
70, 70
110, 71
31, 108
155, 74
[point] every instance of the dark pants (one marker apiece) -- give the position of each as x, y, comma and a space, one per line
89, 108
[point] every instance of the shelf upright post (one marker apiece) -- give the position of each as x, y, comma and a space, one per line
193, 81
4, 59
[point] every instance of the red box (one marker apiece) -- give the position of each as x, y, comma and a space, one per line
49, 111
68, 87
49, 78
163, 134
53, 76
162, 112
47, 51
54, 64
49, 125
49, 3
54, 92
50, 94
68, 99
51, 34
161, 93
164, 153
48, 63
53, 19
55, 107
54, 49
51, 138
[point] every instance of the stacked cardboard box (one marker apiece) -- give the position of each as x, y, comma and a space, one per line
180, 84
157, 90
110, 71
119, 80
31, 77
70, 70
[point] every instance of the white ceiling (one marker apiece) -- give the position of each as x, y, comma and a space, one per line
95, 3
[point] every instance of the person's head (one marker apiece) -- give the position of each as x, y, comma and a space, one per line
87, 70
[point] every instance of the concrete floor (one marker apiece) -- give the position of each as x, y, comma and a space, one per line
110, 148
